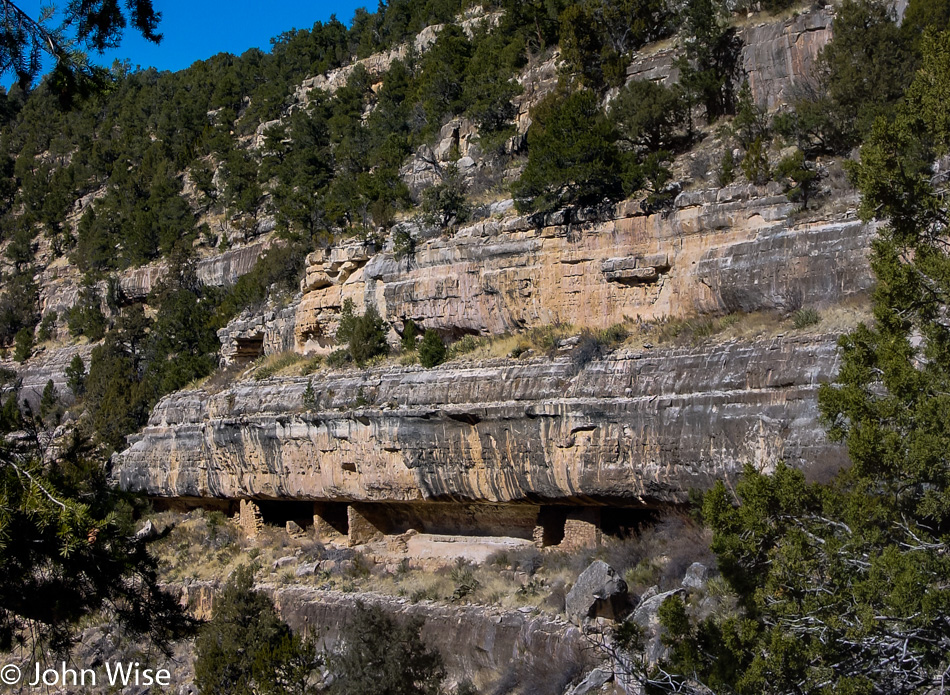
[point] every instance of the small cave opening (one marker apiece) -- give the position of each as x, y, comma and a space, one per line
332, 515
279, 512
551, 521
625, 522
249, 348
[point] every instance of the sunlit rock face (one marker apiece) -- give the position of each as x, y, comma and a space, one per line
718, 250
638, 428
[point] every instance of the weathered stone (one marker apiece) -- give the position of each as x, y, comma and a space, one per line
644, 427
307, 569
777, 57
719, 250
696, 576
147, 532
647, 616
294, 529
599, 592
45, 366
593, 683
285, 561
255, 333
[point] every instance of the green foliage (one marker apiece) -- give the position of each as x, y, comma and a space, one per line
364, 335
431, 349
310, 396
76, 376
597, 36
23, 344
842, 587
19, 300
410, 333
83, 26
277, 271
862, 73
573, 158
182, 343
141, 359
246, 649
86, 316
379, 656
921, 16
117, 398
47, 326
799, 178
727, 168
803, 318
895, 435
50, 410
647, 114
489, 86
755, 163
444, 204
67, 551
751, 122
710, 62
867, 64
536, 22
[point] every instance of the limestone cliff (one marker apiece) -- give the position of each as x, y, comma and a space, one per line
718, 250
637, 428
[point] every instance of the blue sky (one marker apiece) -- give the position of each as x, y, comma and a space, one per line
200, 28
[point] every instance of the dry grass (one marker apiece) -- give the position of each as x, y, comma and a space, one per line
280, 364
205, 545
752, 19
311, 364
838, 318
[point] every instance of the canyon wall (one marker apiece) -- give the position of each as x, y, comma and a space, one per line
478, 643
737, 248
637, 428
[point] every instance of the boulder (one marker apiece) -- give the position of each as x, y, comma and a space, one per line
594, 682
147, 532
282, 562
307, 569
598, 593
696, 576
294, 529
647, 616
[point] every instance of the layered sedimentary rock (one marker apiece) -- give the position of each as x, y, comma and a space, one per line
638, 428
46, 366
777, 58
479, 644
718, 250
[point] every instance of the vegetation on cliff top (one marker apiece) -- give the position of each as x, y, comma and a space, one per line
839, 587
843, 587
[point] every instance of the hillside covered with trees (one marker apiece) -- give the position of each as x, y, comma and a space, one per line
839, 586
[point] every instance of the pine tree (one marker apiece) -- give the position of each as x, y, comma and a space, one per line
843, 587
573, 158
379, 656
76, 376
431, 349
246, 649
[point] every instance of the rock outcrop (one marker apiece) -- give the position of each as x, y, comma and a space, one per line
480, 644
639, 428
778, 58
719, 250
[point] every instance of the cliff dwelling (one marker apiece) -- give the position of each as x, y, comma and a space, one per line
560, 527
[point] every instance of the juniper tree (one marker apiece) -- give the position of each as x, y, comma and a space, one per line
844, 587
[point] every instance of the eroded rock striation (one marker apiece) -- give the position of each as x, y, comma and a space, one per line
638, 428
718, 250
